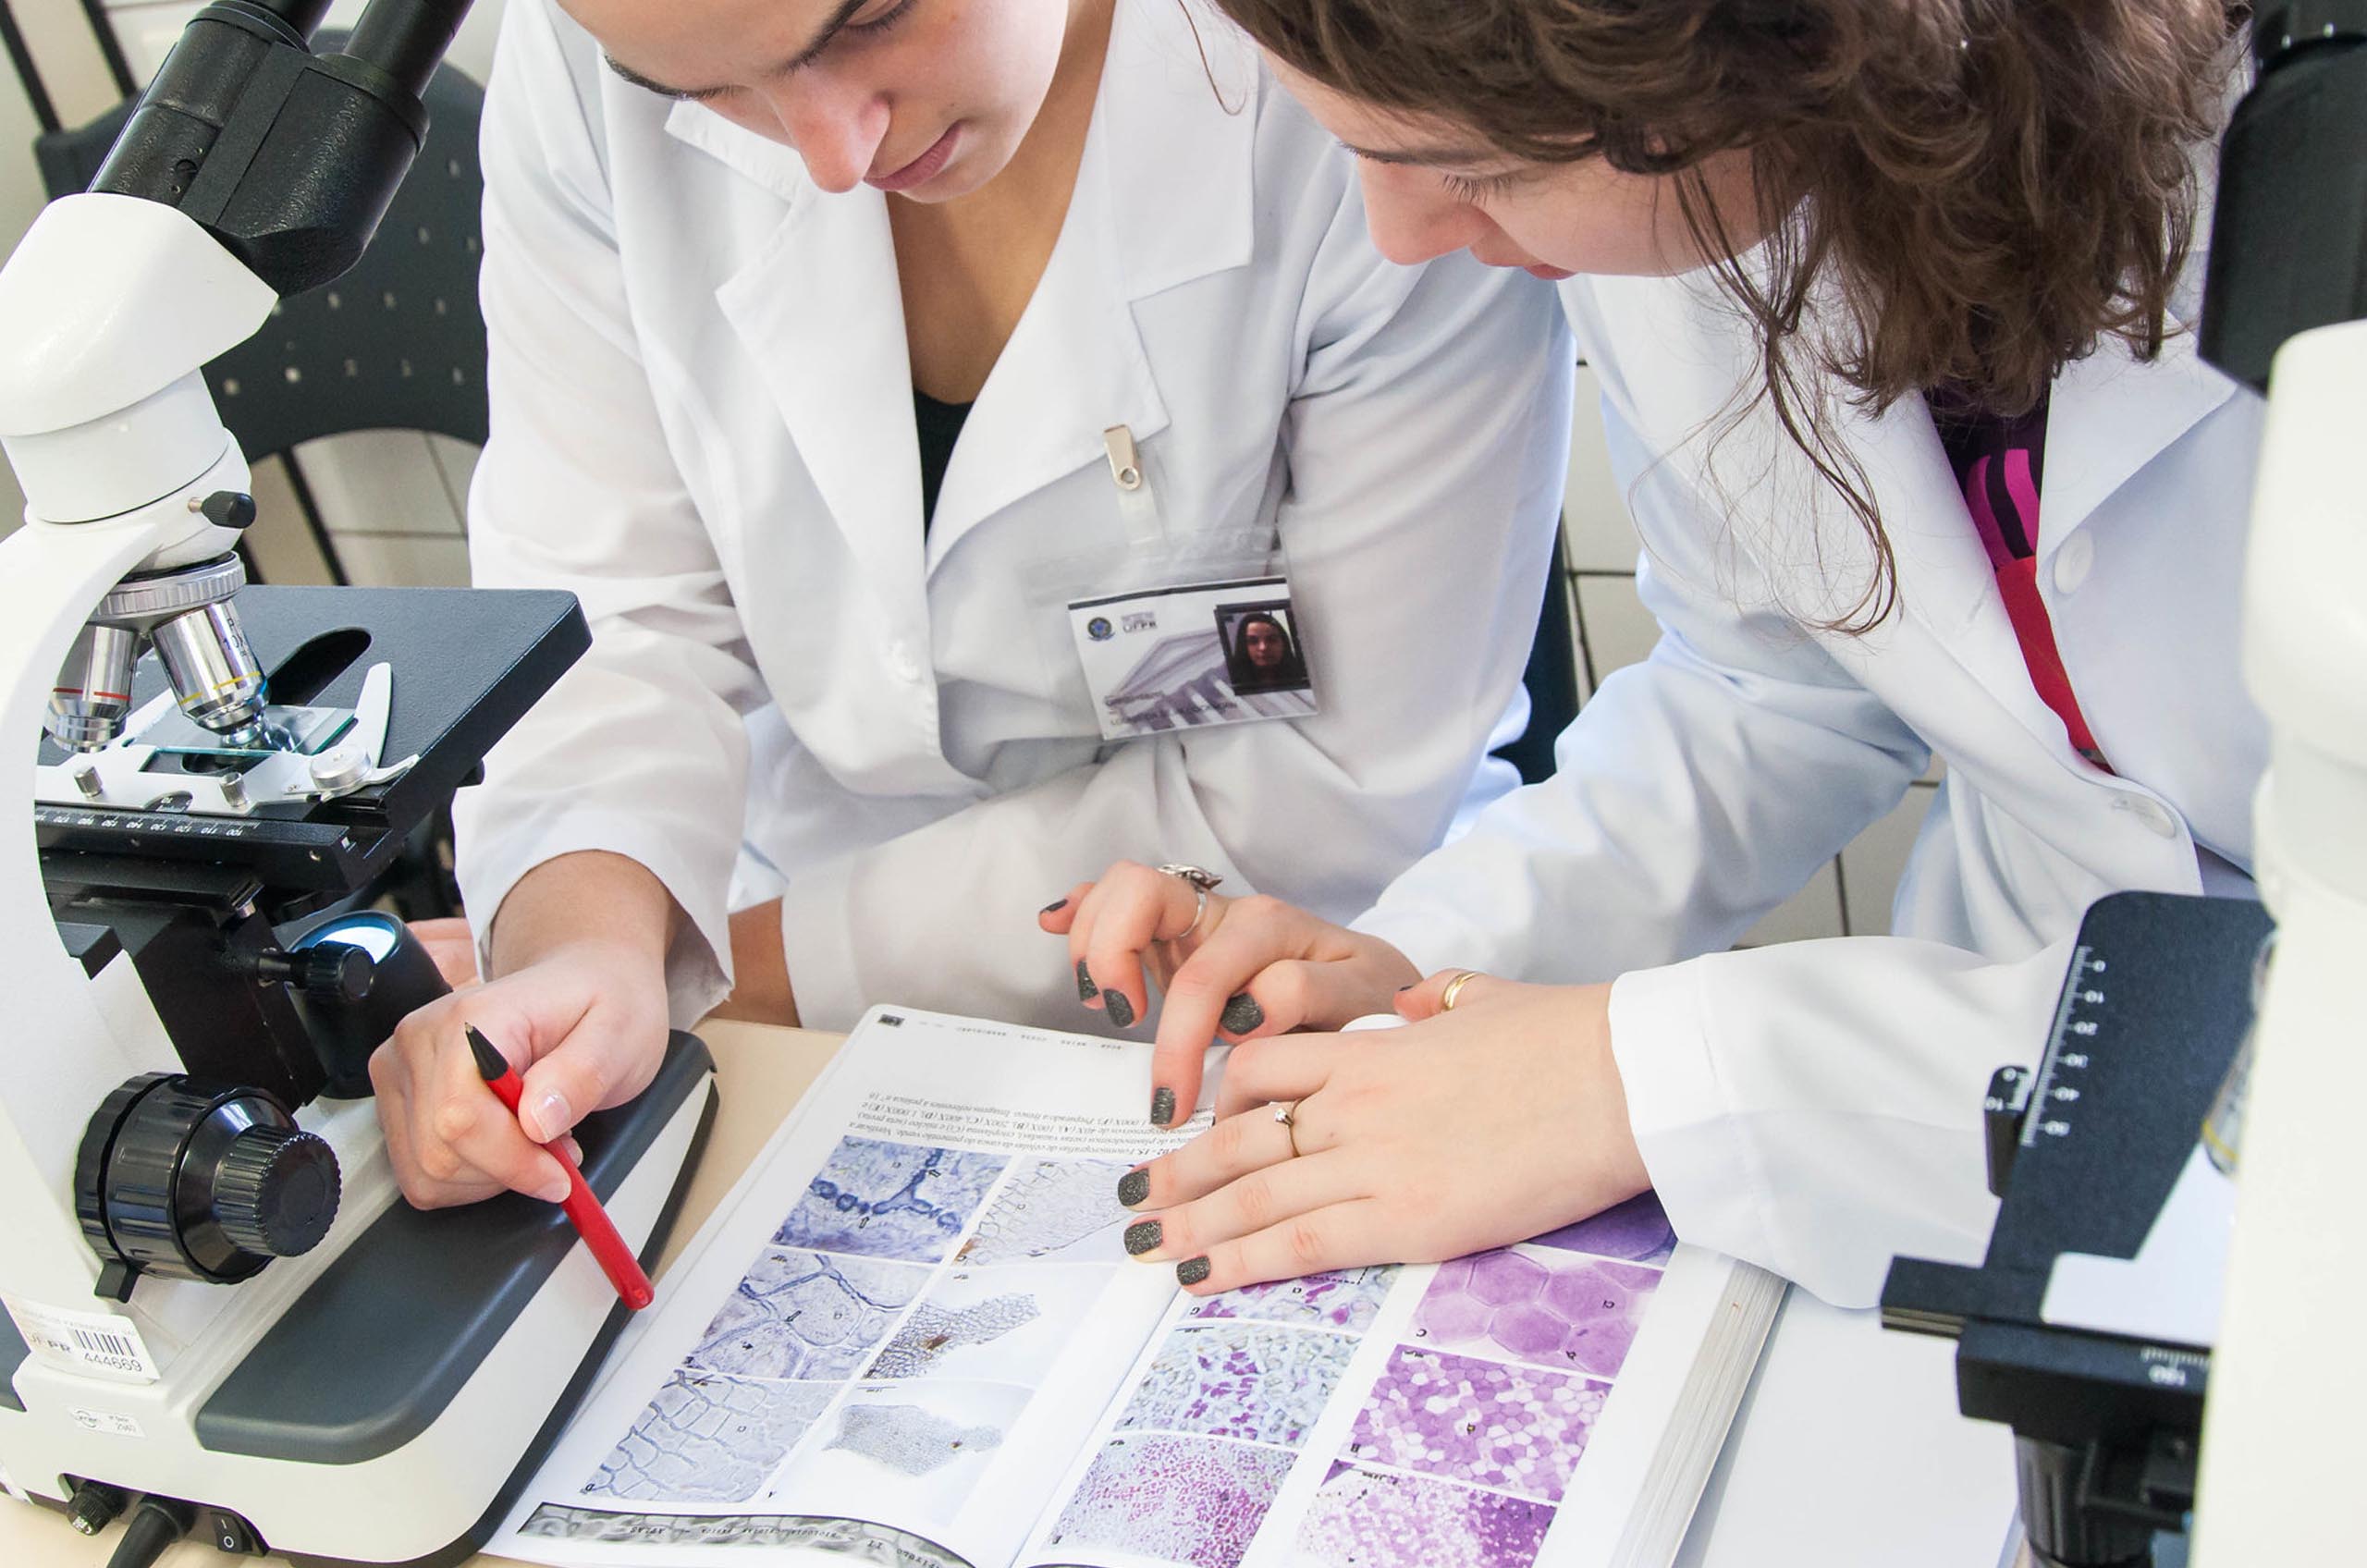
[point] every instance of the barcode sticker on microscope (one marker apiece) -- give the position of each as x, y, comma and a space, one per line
100, 1344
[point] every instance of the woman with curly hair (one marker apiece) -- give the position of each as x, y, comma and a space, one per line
1891, 304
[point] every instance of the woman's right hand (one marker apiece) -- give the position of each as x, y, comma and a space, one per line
1249, 968
585, 1024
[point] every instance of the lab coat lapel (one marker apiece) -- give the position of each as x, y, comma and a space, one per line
1163, 196
2112, 415
818, 312
1817, 558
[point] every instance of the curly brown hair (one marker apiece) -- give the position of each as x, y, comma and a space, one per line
1986, 190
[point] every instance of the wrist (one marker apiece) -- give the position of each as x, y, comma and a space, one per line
590, 907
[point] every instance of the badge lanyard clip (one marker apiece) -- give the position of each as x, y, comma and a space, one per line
1138, 508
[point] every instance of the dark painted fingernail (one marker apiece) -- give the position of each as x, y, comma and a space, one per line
1133, 1187
1120, 1011
1141, 1237
1056, 906
1191, 1270
1162, 1106
1086, 989
1242, 1014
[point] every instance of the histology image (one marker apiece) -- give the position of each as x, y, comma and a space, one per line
907, 1437
1362, 1519
1634, 1231
1053, 1208
848, 1540
890, 1200
1186, 1499
1517, 1428
1555, 1310
709, 1439
1342, 1298
1003, 1324
932, 1332
797, 1315
1258, 1381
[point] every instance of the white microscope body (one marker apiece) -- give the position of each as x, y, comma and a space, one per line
108, 311
2288, 1380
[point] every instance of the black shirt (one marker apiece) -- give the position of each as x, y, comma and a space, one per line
940, 426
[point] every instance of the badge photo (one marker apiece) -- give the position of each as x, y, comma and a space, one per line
1192, 656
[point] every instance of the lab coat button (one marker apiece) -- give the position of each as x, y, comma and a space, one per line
2156, 816
901, 660
2073, 562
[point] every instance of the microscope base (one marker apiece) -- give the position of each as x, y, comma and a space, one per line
393, 1411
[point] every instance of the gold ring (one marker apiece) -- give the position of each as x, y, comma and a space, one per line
1455, 988
1286, 1115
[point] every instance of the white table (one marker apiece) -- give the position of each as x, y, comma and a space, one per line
1849, 1454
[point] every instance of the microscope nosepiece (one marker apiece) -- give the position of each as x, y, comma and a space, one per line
92, 697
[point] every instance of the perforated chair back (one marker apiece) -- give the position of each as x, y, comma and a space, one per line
397, 343
1552, 679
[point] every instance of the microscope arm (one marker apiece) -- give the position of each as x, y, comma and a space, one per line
2289, 281
251, 169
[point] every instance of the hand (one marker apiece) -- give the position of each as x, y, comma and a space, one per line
1495, 1122
453, 946
1250, 968
587, 1028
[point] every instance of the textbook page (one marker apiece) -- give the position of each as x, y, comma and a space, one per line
896, 1333
1411, 1416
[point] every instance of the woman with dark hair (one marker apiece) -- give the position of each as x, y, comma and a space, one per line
837, 346
1890, 302
1262, 657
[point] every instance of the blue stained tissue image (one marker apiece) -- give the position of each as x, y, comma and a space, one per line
883, 1199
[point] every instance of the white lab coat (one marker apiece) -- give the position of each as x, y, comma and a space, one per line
1815, 1107
702, 425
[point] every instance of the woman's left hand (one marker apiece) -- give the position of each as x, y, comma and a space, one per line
1500, 1121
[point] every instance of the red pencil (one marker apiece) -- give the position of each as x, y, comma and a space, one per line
584, 1210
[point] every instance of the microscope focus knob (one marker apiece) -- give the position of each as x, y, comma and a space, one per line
276, 1190
195, 1180
336, 972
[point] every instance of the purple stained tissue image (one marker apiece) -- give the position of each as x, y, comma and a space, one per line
890, 1200
1549, 1309
1258, 1381
1635, 1231
1185, 1500
1340, 1298
1517, 1429
1363, 1519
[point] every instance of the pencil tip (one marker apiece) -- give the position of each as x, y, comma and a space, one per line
491, 1063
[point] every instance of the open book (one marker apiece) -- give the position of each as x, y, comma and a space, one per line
911, 1336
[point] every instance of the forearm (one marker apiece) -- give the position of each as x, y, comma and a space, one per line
760, 990
591, 898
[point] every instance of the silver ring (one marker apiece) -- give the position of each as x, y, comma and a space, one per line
1285, 1113
1203, 882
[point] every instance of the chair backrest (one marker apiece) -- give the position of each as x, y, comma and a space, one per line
398, 342
1552, 679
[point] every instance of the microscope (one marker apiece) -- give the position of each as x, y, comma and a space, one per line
221, 1316
2165, 1315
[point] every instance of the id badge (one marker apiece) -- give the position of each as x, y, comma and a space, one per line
1192, 656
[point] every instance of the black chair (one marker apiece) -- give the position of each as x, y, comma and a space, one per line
1552, 677
397, 343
